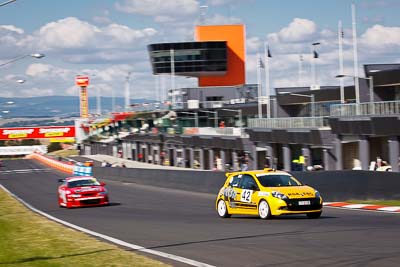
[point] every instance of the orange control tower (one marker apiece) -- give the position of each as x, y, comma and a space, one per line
234, 35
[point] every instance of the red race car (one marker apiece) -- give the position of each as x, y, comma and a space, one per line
81, 191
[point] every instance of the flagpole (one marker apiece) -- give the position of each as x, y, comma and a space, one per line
259, 86
267, 82
300, 78
341, 68
355, 55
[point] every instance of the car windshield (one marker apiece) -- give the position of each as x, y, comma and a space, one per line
276, 180
83, 182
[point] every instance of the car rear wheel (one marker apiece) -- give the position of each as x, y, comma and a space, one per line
222, 209
263, 210
314, 215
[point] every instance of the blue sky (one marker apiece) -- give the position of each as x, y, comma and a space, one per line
108, 38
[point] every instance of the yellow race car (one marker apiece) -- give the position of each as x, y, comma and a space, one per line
267, 193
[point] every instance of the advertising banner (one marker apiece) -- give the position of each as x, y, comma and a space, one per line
37, 132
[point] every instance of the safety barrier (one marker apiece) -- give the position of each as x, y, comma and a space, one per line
333, 185
64, 167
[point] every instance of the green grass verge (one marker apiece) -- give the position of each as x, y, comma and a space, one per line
376, 202
28, 239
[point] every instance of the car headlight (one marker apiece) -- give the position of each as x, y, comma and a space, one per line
279, 195
317, 194
75, 195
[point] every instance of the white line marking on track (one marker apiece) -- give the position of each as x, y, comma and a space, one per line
111, 239
355, 206
25, 171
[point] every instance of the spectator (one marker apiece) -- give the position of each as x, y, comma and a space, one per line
218, 163
222, 124
244, 162
104, 163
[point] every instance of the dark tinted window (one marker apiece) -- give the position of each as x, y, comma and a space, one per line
276, 180
248, 182
235, 181
84, 182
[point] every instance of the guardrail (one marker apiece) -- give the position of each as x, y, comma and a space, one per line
64, 167
285, 123
366, 109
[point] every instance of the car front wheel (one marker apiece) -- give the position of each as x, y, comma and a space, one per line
263, 210
222, 209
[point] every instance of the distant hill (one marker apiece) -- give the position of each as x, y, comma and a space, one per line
56, 106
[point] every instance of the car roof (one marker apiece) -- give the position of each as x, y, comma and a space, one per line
267, 171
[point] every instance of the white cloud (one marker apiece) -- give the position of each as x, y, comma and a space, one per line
72, 34
11, 28
66, 33
381, 39
253, 45
298, 30
225, 2
122, 35
159, 7
218, 19
37, 69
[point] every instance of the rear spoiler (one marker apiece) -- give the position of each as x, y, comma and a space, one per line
233, 173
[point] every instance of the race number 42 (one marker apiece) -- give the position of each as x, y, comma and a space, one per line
246, 195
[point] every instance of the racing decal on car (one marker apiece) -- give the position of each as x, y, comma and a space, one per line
230, 193
246, 196
263, 194
300, 194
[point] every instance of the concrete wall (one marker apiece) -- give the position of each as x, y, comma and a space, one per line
333, 185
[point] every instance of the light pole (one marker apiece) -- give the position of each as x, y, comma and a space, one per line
311, 96
215, 116
371, 89
36, 55
313, 71
267, 55
172, 62
259, 89
127, 91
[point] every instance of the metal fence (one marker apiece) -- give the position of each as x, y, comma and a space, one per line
366, 109
286, 123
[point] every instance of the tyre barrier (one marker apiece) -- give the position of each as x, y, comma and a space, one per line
64, 167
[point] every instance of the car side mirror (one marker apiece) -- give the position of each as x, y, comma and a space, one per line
61, 180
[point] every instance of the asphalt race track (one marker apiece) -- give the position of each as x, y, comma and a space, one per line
186, 224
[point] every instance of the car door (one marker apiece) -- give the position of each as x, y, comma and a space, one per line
232, 191
247, 194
